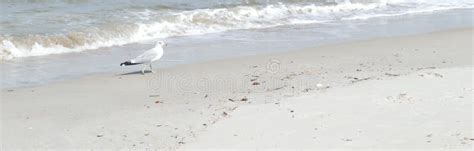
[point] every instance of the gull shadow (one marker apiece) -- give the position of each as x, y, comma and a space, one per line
135, 72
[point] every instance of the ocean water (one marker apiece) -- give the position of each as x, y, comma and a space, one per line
49, 40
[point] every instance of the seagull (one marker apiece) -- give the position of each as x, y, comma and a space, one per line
147, 57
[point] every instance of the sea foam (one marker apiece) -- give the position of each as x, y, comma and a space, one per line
151, 24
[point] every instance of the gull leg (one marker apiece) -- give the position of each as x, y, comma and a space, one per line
151, 68
143, 70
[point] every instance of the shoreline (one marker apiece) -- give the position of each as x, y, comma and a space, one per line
279, 54
202, 48
176, 105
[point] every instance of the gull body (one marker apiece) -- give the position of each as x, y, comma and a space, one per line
147, 57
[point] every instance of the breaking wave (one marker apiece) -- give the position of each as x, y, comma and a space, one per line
153, 24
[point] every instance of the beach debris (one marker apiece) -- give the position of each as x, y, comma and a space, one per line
438, 75
291, 111
244, 99
307, 90
252, 80
231, 100
158, 101
358, 70
429, 135
278, 88
319, 85
100, 135
391, 74
206, 96
425, 68
347, 139
457, 134
10, 90
290, 76
147, 134
401, 98
356, 79
204, 124
225, 113
431, 74
255, 83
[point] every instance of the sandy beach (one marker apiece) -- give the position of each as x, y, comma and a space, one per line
408, 92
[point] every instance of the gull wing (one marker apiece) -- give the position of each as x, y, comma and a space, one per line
145, 57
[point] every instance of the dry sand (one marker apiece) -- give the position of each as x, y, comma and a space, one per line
410, 92
430, 109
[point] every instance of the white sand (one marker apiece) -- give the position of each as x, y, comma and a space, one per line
430, 109
365, 94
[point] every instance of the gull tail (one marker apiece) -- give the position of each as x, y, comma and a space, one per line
128, 63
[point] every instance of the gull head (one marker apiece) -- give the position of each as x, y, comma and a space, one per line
161, 43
